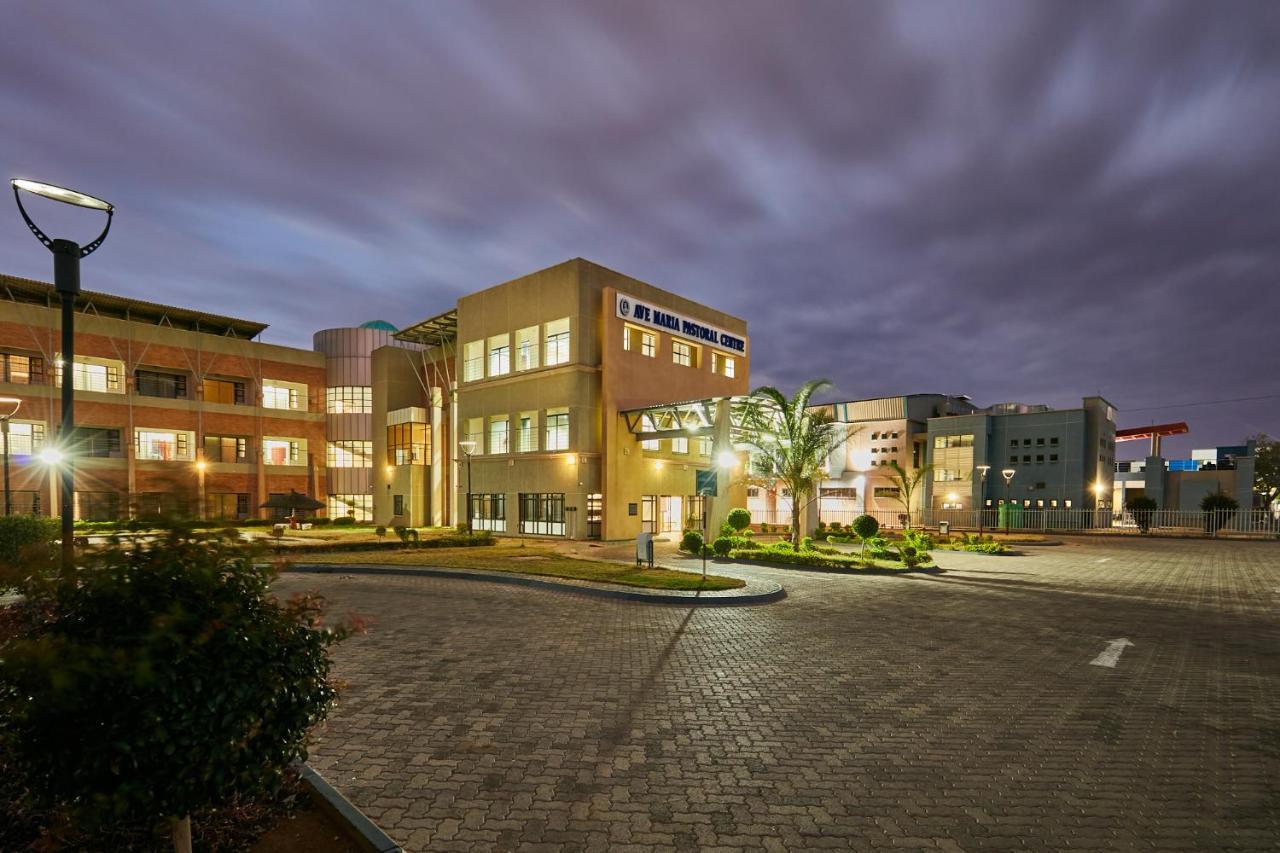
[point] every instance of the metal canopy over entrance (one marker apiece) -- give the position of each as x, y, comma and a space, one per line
692, 418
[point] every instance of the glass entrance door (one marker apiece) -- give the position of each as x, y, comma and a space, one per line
672, 514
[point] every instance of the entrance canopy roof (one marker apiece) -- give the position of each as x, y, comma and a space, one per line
691, 418
1159, 430
434, 331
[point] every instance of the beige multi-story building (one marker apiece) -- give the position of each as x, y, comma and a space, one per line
176, 410
551, 401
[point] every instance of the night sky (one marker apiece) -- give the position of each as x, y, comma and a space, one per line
1014, 200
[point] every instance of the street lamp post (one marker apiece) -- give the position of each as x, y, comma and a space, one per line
66, 281
469, 448
982, 493
1007, 473
8, 408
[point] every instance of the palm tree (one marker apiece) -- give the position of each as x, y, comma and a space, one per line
790, 443
907, 483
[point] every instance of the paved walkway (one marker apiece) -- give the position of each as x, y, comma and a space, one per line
953, 712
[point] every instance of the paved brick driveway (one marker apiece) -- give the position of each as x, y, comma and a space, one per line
957, 712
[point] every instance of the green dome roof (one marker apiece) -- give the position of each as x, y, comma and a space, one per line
380, 325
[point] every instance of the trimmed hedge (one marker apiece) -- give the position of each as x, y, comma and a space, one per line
477, 540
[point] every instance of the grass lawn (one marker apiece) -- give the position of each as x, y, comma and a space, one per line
532, 561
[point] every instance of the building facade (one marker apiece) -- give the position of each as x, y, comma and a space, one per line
348, 401
532, 400
176, 410
1060, 459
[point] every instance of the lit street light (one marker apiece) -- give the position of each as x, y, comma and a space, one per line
8, 408
469, 448
1007, 473
982, 494
66, 281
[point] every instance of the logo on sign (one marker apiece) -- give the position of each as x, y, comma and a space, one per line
624, 307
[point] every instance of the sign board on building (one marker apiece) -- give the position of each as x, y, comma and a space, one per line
706, 483
644, 313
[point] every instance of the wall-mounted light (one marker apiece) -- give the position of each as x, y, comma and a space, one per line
952, 497
572, 459
201, 465
51, 456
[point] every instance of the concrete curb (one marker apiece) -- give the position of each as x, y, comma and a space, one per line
362, 830
769, 593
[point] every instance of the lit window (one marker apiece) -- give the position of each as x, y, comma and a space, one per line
557, 342
721, 363
475, 432
278, 394
360, 506
499, 355
226, 448
93, 375
21, 369
704, 447
557, 429
527, 348
499, 435
648, 344
229, 391
649, 444
162, 445
407, 443
527, 433
473, 361
284, 451
350, 454
682, 353
349, 400
679, 445
26, 438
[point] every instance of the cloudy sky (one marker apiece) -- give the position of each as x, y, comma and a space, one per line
1013, 200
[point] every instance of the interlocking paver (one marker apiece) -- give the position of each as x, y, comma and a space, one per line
950, 712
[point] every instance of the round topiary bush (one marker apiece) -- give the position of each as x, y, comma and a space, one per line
722, 546
866, 526
345, 521
691, 542
739, 518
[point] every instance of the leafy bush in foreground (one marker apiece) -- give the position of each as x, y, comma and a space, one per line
691, 542
739, 519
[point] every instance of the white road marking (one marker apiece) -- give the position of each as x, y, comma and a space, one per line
1111, 654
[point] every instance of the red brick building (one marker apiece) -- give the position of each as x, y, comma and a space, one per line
173, 408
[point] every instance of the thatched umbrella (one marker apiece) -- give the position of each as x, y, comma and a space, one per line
293, 502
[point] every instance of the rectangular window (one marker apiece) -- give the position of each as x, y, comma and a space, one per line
1053, 458
278, 394
1039, 442
350, 454
557, 341
1013, 460
473, 361
499, 355
284, 451
527, 433
679, 445
229, 391
163, 445
1040, 459
682, 353
152, 383
723, 364
97, 506
99, 443
226, 448
349, 400
1026, 460
542, 514
648, 344
474, 433
21, 369
527, 348
638, 340
704, 446
101, 376
25, 438
359, 506
946, 475
941, 442
557, 429
650, 444
407, 444
489, 512
397, 505
1053, 441
499, 435
233, 506
886, 491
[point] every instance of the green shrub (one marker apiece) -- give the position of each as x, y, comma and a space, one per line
806, 543
722, 546
407, 534
692, 542
726, 529
839, 540
324, 522
164, 679
1143, 510
739, 519
780, 546
20, 534
910, 556
380, 531
1218, 508
865, 526
345, 521
918, 539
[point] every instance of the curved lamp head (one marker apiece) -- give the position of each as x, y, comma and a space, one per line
468, 447
66, 196
9, 407
1008, 473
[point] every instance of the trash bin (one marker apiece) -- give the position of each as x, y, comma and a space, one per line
644, 549
944, 527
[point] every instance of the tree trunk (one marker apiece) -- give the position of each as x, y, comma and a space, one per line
182, 834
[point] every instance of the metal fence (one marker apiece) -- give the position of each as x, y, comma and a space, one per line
1257, 523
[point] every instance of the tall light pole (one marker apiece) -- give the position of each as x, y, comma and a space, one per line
982, 493
1007, 473
66, 281
469, 448
8, 408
